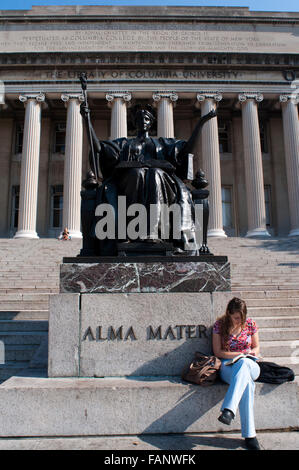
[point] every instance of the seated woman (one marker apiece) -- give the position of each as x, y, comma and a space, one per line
146, 171
65, 235
233, 334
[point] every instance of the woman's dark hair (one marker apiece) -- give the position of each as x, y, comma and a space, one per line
235, 305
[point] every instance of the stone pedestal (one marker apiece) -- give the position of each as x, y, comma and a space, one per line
136, 335
155, 274
133, 317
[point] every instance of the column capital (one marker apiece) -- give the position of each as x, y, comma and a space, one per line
168, 95
39, 97
293, 97
202, 96
113, 95
72, 96
258, 97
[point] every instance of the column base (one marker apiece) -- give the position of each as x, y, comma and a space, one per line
217, 232
294, 232
29, 234
257, 232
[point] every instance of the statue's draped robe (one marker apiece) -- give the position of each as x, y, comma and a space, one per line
149, 175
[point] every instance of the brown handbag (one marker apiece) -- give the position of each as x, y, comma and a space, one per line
203, 370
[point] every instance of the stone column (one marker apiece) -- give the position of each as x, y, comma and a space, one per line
254, 179
211, 163
73, 165
6, 137
291, 145
118, 103
30, 166
165, 103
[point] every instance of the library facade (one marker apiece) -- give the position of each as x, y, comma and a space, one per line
184, 61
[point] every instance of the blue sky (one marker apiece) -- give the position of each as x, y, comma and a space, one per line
254, 5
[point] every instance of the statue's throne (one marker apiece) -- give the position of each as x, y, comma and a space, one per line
90, 244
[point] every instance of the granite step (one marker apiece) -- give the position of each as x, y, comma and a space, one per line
24, 315
16, 325
267, 294
268, 263
21, 340
282, 264
26, 297
54, 407
34, 284
30, 268
273, 302
293, 278
278, 334
28, 290
267, 278
29, 284
23, 305
30, 276
22, 337
274, 266
279, 348
272, 311
278, 322
19, 353
251, 286
11, 368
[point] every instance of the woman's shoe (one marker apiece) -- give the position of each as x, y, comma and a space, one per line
226, 416
251, 443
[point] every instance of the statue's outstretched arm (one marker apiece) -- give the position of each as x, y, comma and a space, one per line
190, 144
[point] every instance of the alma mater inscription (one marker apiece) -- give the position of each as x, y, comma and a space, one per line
177, 332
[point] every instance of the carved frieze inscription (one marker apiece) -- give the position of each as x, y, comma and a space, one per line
149, 75
157, 37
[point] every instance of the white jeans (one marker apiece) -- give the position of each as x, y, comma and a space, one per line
240, 377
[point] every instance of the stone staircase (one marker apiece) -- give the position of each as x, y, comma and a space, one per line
265, 273
29, 274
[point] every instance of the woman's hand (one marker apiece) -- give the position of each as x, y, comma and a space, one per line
84, 110
254, 352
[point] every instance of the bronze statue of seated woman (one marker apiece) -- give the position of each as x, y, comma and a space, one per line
146, 171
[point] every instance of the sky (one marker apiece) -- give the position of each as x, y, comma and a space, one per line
254, 5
